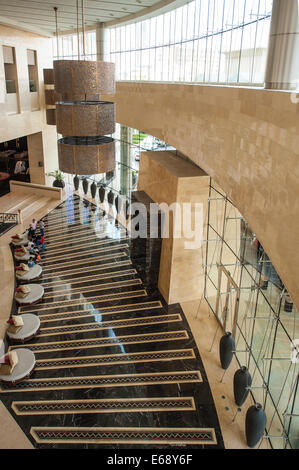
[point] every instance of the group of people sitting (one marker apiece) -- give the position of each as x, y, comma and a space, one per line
36, 242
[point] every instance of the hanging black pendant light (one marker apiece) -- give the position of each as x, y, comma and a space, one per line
85, 185
118, 204
76, 182
110, 197
102, 193
226, 350
93, 189
255, 424
127, 210
242, 382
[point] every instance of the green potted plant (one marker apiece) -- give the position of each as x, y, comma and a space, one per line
59, 179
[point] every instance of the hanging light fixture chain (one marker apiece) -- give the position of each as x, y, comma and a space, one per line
78, 34
83, 28
56, 25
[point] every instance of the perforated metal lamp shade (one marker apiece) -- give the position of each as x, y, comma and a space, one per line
85, 118
82, 119
86, 155
81, 80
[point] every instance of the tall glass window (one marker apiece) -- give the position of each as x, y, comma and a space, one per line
204, 41
68, 46
259, 312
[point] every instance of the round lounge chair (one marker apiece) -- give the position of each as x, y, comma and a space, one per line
28, 331
33, 273
23, 369
21, 241
36, 293
25, 257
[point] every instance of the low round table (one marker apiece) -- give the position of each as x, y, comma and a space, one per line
34, 273
23, 369
20, 242
36, 293
29, 329
25, 257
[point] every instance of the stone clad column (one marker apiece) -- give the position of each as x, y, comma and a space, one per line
102, 39
282, 70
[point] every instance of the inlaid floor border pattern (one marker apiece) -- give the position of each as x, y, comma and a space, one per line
79, 213
119, 309
104, 325
81, 241
124, 308
52, 252
81, 262
86, 269
98, 287
110, 353
89, 278
142, 436
100, 224
99, 312
104, 342
67, 214
104, 359
117, 405
77, 231
76, 212
52, 245
100, 381
83, 254
77, 219
87, 300
65, 226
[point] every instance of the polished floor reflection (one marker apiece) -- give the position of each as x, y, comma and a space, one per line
116, 366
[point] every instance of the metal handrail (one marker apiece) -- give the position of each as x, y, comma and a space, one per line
8, 217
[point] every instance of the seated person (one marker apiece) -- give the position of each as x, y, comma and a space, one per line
30, 245
40, 242
34, 254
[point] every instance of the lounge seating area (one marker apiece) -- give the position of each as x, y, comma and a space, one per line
17, 366
20, 239
29, 294
23, 327
26, 273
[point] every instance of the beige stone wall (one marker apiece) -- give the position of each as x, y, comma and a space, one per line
168, 179
246, 139
28, 122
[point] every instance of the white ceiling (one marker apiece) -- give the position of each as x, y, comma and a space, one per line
38, 15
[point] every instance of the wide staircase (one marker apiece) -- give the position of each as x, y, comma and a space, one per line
15, 205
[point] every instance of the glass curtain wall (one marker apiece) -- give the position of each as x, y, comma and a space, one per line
204, 41
68, 47
259, 312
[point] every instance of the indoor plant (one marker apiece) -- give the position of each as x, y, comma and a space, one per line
59, 179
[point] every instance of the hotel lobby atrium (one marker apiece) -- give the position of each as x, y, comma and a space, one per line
149, 227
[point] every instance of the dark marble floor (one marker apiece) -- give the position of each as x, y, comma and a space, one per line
116, 366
